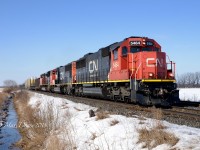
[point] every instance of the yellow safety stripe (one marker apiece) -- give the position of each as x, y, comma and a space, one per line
158, 80
112, 81
106, 81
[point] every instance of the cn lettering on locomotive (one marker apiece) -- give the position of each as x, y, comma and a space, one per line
152, 62
93, 66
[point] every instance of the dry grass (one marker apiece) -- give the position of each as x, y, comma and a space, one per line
3, 97
94, 136
9, 89
155, 137
141, 118
39, 127
54, 143
141, 122
68, 137
22, 96
157, 113
31, 127
114, 122
102, 115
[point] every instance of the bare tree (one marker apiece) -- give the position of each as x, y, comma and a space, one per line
181, 80
189, 80
197, 76
9, 85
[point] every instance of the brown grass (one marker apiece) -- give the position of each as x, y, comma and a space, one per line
9, 89
38, 128
102, 115
114, 122
155, 137
141, 118
157, 134
94, 136
31, 127
54, 143
22, 96
157, 113
3, 97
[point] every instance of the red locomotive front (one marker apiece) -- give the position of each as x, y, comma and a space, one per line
141, 58
139, 61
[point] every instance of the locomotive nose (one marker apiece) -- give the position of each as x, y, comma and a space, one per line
154, 65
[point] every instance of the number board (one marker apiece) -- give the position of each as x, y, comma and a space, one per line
133, 43
148, 43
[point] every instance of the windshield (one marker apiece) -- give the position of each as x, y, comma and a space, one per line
146, 49
135, 49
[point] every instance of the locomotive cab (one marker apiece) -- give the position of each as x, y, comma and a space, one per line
140, 60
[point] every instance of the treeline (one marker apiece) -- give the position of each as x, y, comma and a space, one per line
188, 80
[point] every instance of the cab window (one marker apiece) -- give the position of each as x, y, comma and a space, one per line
146, 49
156, 49
135, 49
115, 53
124, 51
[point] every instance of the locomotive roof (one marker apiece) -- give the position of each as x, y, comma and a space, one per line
84, 57
135, 37
87, 54
117, 44
114, 46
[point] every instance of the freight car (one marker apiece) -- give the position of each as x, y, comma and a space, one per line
30, 83
133, 70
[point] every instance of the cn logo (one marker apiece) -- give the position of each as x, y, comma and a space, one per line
152, 62
115, 64
93, 66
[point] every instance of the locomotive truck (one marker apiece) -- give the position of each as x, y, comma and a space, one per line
133, 70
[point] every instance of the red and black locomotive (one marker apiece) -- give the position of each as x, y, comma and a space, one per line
133, 70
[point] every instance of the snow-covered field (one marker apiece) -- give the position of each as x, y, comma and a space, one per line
89, 133
189, 94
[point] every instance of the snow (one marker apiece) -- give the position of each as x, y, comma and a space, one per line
189, 94
89, 133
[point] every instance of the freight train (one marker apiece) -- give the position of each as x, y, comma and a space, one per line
133, 70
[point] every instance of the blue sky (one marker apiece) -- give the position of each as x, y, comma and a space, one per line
39, 35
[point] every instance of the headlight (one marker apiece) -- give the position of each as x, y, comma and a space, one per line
151, 74
170, 75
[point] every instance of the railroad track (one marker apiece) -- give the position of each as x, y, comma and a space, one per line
183, 112
177, 115
189, 103
191, 110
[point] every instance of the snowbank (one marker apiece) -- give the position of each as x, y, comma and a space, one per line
89, 133
189, 94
